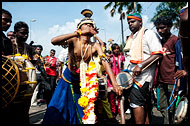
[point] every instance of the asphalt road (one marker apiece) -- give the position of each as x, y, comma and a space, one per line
37, 114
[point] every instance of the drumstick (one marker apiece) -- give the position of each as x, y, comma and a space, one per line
150, 63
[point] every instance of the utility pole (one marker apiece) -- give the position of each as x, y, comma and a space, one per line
32, 20
121, 18
135, 6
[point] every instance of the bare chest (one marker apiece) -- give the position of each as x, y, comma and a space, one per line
84, 53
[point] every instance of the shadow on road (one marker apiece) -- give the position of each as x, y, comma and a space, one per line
37, 113
37, 117
157, 119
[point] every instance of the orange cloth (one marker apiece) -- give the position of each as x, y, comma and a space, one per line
137, 51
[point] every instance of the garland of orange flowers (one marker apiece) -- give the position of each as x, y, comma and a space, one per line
89, 91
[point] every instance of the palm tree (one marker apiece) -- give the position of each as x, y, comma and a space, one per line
171, 9
122, 6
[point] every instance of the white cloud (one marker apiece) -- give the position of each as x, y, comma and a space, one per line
67, 28
55, 30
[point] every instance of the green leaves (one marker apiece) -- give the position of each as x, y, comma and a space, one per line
120, 7
171, 9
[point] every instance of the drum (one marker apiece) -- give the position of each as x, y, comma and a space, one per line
124, 79
102, 92
181, 110
10, 81
27, 73
18, 78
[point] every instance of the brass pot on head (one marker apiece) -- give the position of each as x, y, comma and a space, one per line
87, 13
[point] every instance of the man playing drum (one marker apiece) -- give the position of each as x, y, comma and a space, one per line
21, 104
17, 111
144, 47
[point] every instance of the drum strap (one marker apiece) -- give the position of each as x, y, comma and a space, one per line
171, 103
173, 90
172, 94
137, 83
135, 86
158, 97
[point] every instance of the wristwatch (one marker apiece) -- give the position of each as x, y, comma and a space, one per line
139, 65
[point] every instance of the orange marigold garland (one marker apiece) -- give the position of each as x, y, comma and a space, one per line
89, 91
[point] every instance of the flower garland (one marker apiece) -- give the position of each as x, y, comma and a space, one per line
89, 91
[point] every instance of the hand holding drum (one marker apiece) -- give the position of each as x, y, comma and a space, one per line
124, 79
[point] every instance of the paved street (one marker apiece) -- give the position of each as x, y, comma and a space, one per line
37, 113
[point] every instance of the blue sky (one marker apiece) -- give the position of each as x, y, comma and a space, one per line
56, 18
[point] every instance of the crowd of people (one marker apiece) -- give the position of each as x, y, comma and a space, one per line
156, 61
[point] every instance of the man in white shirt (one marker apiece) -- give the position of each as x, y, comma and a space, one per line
144, 48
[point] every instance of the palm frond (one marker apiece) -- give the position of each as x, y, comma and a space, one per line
122, 7
171, 9
108, 5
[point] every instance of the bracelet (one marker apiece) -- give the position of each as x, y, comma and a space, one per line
103, 58
79, 32
103, 55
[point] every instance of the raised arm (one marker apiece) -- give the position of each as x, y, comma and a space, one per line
101, 42
61, 40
